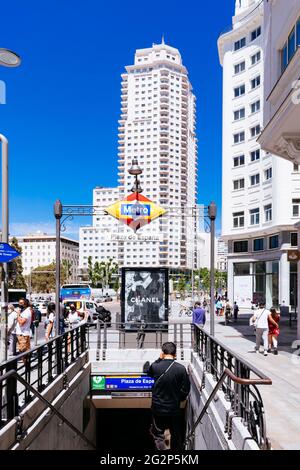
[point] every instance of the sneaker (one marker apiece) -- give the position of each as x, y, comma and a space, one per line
276, 352
269, 350
257, 351
265, 353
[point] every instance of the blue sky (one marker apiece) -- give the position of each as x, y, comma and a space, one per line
63, 103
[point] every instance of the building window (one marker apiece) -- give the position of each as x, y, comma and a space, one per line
255, 82
290, 46
239, 91
294, 239
296, 168
238, 138
274, 242
255, 155
254, 217
255, 34
269, 174
238, 68
239, 44
254, 131
255, 107
239, 161
256, 58
296, 207
258, 244
239, 184
238, 219
239, 114
268, 213
241, 269
254, 180
240, 247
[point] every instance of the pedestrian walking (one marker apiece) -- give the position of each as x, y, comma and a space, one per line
235, 311
274, 331
11, 329
49, 322
171, 387
228, 311
218, 307
23, 330
199, 317
260, 322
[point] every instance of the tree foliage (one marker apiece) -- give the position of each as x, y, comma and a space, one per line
19, 281
103, 273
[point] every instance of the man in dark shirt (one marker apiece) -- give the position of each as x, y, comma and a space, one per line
171, 386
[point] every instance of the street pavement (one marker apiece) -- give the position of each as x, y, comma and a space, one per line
282, 398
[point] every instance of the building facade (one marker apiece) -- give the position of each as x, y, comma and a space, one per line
222, 255
39, 250
255, 221
157, 127
99, 241
281, 133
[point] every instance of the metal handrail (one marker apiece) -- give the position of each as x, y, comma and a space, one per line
235, 379
252, 368
14, 373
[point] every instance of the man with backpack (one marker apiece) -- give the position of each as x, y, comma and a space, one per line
171, 387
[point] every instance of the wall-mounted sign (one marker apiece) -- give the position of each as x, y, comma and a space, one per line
115, 383
135, 211
293, 255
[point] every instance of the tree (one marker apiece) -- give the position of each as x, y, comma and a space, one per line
101, 274
19, 281
181, 283
66, 270
43, 278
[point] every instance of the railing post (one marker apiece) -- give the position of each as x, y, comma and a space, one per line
58, 350
175, 333
181, 340
40, 368
104, 341
12, 397
98, 340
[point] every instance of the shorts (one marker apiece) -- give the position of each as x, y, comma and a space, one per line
23, 343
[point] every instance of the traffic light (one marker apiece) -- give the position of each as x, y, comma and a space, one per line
12, 271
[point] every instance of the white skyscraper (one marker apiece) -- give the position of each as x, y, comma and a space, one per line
257, 219
157, 127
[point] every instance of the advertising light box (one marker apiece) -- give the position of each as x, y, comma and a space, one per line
115, 383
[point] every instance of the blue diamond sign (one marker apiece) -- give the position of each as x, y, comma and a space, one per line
7, 253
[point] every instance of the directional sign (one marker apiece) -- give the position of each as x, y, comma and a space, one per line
7, 253
135, 211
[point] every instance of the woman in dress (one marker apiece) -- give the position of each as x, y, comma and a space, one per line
273, 322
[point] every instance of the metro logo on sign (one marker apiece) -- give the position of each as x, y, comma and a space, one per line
135, 211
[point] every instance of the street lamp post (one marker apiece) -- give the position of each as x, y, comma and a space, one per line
58, 216
212, 214
7, 59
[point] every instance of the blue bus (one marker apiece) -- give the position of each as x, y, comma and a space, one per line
75, 291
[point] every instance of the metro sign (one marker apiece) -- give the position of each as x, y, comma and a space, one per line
135, 211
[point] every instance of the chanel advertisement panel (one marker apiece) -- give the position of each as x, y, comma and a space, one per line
145, 297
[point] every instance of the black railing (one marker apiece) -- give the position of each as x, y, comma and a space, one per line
128, 335
239, 384
38, 367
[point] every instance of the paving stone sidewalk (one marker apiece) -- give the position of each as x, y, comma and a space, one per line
282, 398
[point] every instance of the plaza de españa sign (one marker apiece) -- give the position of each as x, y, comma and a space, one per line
135, 211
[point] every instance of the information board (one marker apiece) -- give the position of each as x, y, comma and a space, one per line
115, 383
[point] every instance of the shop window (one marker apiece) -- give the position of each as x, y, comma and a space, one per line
241, 269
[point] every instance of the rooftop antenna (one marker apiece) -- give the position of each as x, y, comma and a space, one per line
163, 39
